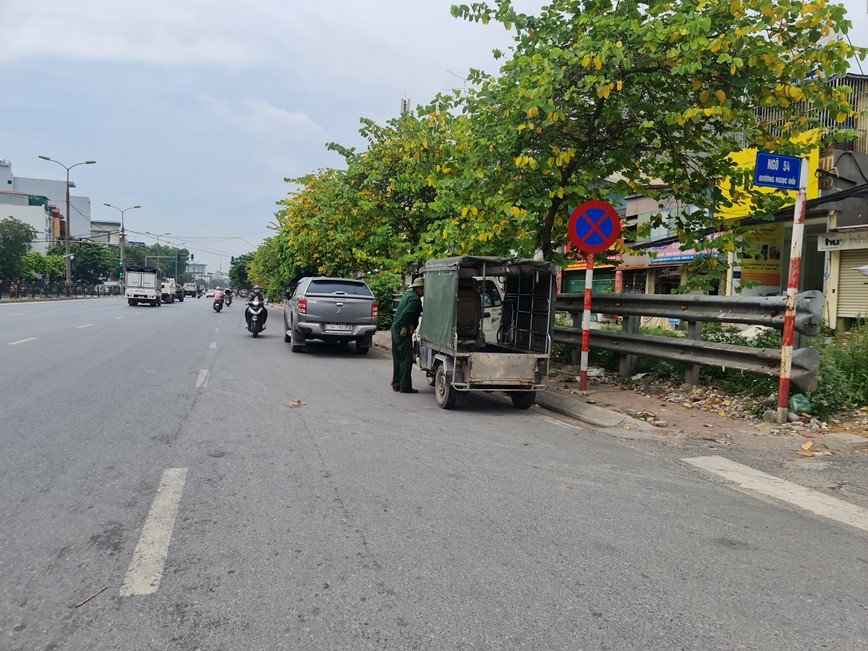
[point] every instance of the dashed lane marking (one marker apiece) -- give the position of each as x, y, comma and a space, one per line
216, 329
754, 481
213, 344
16, 314
86, 325
149, 558
202, 380
118, 317
22, 341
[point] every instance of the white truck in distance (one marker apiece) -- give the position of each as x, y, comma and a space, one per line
168, 290
189, 289
143, 285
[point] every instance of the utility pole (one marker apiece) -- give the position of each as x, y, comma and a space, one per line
68, 255
123, 240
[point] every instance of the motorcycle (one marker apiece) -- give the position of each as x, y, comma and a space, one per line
228, 300
218, 304
254, 312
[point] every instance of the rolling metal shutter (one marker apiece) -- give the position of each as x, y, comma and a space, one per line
852, 286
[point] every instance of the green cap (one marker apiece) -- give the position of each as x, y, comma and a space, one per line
419, 282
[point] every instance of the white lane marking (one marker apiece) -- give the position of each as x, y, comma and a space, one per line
139, 313
202, 380
21, 341
750, 480
118, 317
86, 325
146, 567
213, 344
57, 309
216, 329
555, 421
16, 314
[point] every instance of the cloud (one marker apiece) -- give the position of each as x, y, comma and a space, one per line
282, 138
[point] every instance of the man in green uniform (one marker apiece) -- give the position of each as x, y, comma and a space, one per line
403, 327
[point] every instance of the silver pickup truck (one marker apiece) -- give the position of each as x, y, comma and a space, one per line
336, 310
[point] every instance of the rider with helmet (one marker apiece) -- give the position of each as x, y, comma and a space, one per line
256, 294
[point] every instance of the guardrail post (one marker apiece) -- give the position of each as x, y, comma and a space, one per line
576, 351
691, 372
628, 365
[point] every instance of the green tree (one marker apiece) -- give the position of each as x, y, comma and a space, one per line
238, 271
15, 239
600, 99
46, 265
91, 262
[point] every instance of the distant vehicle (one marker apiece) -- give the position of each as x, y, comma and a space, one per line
189, 289
143, 285
167, 290
179, 293
209, 293
337, 310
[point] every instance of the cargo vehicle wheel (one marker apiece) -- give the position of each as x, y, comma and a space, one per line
297, 344
429, 377
523, 399
444, 393
131, 302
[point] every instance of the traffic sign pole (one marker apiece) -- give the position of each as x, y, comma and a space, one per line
792, 289
586, 322
593, 228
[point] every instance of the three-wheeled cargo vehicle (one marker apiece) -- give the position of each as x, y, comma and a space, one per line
452, 348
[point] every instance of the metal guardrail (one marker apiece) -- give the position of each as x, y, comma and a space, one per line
691, 350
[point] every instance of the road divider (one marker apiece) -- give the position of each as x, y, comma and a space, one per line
149, 557
749, 480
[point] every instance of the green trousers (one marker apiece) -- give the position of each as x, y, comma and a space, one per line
402, 359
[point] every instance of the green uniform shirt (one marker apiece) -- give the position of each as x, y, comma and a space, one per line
409, 309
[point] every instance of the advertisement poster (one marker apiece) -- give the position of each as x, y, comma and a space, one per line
763, 266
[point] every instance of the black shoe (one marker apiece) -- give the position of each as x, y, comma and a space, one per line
395, 388
409, 390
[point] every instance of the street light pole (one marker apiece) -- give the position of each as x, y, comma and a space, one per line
67, 255
157, 237
123, 242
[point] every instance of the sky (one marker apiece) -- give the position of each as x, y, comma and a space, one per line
198, 109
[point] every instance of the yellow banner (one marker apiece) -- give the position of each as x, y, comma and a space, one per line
746, 159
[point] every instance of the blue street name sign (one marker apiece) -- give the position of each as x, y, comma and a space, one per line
777, 171
136, 243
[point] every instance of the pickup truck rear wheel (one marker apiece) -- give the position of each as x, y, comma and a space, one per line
131, 302
363, 345
297, 344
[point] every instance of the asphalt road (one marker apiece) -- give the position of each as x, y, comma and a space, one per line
362, 518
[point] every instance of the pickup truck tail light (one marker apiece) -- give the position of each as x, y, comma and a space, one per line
302, 306
375, 310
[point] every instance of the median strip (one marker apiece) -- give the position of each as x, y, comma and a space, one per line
753, 481
146, 567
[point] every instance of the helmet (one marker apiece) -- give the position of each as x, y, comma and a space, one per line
256, 287
218, 287
419, 282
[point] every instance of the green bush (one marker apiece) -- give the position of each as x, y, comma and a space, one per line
384, 285
843, 377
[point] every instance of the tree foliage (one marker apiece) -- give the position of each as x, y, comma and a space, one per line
15, 239
238, 271
597, 100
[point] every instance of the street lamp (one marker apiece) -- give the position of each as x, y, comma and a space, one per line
123, 241
68, 225
157, 237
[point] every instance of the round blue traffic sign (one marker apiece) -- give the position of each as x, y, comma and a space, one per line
594, 226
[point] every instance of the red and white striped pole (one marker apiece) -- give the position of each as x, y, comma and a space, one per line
792, 289
586, 321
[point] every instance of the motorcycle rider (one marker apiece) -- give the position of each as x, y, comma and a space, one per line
228, 295
256, 294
